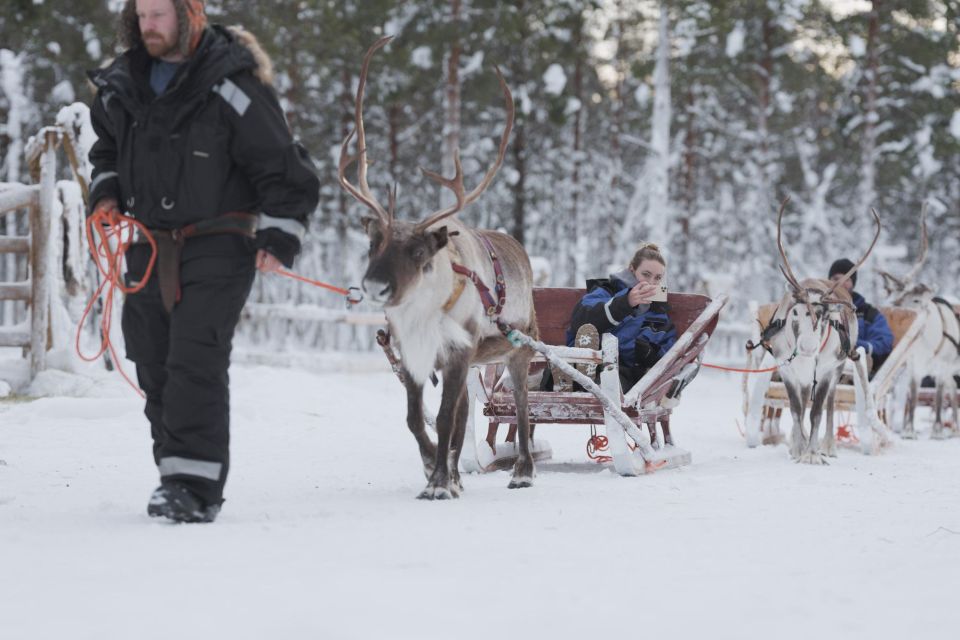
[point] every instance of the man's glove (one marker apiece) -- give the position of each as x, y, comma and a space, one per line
282, 245
107, 207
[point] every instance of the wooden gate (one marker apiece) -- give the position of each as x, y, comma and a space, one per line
39, 200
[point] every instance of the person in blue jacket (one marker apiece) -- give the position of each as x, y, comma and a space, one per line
622, 305
874, 334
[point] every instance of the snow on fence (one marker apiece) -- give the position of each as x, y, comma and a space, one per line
49, 257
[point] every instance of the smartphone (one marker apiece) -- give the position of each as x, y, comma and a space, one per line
660, 295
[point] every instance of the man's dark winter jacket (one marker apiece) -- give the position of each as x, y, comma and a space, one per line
215, 141
644, 333
874, 333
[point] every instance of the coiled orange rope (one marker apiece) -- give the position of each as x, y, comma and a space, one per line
109, 235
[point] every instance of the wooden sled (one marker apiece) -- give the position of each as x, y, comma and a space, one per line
649, 402
765, 402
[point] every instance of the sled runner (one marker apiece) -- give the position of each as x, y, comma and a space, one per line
766, 400
648, 403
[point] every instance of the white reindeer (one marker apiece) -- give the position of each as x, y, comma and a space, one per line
811, 335
936, 351
430, 278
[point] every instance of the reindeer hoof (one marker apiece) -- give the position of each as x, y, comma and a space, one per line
813, 457
436, 493
908, 435
520, 482
938, 435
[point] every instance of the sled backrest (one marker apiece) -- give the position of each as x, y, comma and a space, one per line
554, 305
899, 320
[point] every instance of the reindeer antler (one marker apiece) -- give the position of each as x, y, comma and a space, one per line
362, 192
455, 183
853, 270
798, 291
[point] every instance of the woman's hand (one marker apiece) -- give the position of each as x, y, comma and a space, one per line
641, 293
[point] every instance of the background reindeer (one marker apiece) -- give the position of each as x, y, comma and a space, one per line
936, 351
421, 273
810, 336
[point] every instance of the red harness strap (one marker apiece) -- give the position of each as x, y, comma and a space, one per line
493, 306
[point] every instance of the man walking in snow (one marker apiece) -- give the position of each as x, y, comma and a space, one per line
193, 144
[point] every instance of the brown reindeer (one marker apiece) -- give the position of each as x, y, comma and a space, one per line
811, 335
421, 272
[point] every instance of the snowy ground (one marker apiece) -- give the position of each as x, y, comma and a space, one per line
321, 536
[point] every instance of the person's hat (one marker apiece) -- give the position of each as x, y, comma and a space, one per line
841, 266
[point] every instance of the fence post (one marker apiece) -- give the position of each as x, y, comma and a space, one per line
40, 216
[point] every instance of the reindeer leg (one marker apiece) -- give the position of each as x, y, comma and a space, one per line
459, 429
954, 402
909, 411
812, 454
936, 433
829, 444
798, 406
518, 364
439, 486
428, 450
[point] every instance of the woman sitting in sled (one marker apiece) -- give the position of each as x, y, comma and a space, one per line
631, 304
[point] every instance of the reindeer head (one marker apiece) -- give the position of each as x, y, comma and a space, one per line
402, 255
905, 292
815, 294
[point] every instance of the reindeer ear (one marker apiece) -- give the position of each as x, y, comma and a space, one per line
370, 224
439, 238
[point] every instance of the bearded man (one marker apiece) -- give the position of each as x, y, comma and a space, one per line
193, 144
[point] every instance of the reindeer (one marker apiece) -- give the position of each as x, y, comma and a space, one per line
419, 272
811, 335
937, 348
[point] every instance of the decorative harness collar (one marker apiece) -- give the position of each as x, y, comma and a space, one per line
776, 325
492, 306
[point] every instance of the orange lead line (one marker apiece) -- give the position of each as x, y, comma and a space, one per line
108, 226
352, 294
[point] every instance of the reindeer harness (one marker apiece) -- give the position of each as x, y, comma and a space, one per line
776, 325
492, 306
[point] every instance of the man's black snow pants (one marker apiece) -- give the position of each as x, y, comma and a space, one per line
182, 357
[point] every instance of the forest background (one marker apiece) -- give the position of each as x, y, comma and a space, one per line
682, 122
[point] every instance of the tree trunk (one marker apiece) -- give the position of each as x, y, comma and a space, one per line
657, 214
683, 263
451, 119
579, 228
519, 189
867, 188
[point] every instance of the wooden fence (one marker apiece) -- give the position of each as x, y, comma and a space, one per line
39, 201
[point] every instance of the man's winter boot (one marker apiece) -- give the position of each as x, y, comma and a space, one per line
175, 501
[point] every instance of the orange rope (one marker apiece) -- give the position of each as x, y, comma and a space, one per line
597, 443
316, 283
736, 370
109, 225
768, 369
